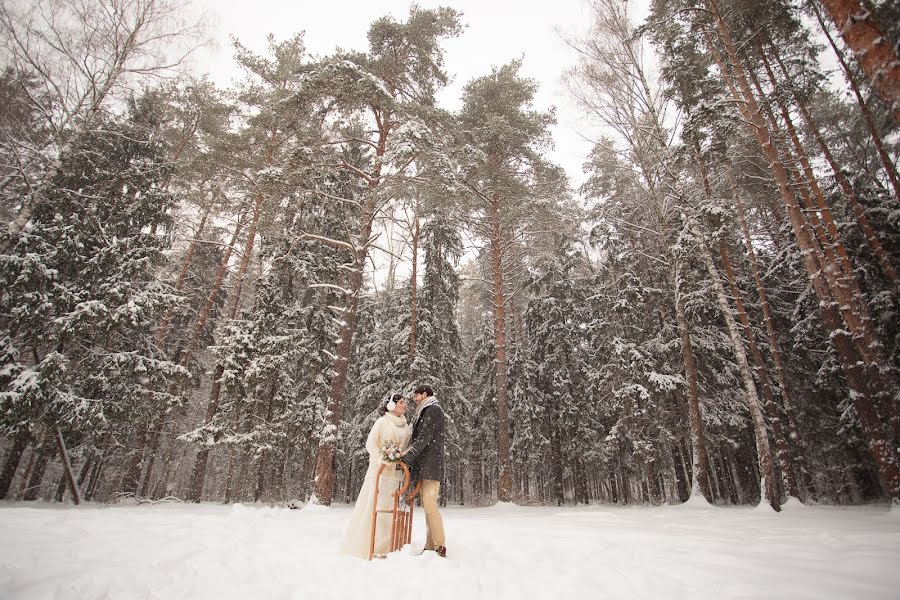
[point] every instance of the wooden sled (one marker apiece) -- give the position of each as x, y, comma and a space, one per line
401, 516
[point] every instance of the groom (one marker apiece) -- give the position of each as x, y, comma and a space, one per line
426, 457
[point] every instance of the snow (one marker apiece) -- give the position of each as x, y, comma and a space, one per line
170, 551
271, 172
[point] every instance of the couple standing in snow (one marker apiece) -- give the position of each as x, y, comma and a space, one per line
422, 448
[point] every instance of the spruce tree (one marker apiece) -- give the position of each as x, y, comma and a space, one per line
79, 292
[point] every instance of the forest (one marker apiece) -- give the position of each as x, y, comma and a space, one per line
206, 292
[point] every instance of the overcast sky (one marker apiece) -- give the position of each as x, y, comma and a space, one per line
497, 31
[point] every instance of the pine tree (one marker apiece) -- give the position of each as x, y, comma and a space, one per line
514, 192
386, 88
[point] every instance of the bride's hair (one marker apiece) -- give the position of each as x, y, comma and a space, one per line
394, 399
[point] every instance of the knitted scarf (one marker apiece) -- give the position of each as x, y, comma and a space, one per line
429, 401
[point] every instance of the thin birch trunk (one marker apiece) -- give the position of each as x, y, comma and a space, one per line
774, 348
766, 467
783, 452
100, 90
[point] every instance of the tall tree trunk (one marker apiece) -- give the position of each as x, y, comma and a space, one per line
841, 278
624, 483
67, 468
653, 492
842, 281
783, 452
504, 487
278, 473
60, 493
582, 488
840, 272
871, 44
202, 318
324, 479
11, 464
234, 455
413, 291
699, 484
730, 471
858, 211
556, 479
886, 162
262, 480
94, 481
85, 470
149, 454
182, 276
33, 487
131, 480
210, 303
685, 485
151, 434
700, 465
774, 348
880, 445
198, 475
716, 481
756, 414
825, 211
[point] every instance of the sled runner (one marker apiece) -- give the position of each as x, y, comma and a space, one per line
401, 515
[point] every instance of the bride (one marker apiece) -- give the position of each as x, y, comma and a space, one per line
390, 428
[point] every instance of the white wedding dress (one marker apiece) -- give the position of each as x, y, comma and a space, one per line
389, 428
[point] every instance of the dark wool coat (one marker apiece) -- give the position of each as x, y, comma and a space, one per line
426, 453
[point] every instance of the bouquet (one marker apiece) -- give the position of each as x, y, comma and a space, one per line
390, 453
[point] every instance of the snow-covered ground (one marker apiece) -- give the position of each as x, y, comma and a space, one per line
248, 552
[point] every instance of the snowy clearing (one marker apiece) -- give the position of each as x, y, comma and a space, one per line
248, 552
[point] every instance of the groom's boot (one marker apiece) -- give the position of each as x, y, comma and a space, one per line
441, 551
